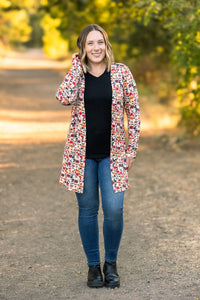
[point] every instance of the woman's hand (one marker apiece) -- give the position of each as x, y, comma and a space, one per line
75, 55
130, 161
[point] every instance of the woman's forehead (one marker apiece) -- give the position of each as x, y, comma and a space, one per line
94, 35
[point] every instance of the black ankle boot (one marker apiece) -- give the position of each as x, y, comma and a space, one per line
111, 276
95, 278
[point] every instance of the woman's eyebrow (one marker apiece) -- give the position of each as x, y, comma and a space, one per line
94, 40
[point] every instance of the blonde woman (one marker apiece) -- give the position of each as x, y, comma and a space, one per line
96, 155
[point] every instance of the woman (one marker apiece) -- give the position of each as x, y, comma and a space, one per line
95, 153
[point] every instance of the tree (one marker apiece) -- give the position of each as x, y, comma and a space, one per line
182, 20
14, 27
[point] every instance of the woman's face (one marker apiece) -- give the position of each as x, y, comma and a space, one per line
95, 47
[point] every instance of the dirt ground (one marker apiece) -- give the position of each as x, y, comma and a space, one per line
41, 256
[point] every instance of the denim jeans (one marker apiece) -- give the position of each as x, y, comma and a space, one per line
98, 174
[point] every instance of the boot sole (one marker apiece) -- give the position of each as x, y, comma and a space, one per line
112, 285
95, 285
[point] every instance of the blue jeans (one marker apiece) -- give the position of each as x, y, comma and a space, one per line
97, 173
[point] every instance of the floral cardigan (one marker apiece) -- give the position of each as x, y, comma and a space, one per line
124, 97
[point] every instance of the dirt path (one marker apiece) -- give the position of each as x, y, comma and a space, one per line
41, 255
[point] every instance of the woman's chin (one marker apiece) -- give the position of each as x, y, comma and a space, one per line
96, 60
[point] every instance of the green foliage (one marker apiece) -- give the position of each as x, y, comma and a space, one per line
186, 58
182, 20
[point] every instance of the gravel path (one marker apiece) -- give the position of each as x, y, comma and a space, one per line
41, 256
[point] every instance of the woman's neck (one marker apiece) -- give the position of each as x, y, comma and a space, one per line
97, 69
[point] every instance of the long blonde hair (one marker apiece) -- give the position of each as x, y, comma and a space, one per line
81, 45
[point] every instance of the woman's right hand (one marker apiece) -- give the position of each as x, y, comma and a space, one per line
75, 55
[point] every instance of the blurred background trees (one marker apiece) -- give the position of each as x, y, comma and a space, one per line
159, 39
14, 24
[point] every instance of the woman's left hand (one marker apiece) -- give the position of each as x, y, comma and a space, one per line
130, 161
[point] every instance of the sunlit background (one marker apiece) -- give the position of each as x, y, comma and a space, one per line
158, 40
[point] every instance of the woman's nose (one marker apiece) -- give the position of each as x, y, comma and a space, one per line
96, 46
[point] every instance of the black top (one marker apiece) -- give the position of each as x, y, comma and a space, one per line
98, 101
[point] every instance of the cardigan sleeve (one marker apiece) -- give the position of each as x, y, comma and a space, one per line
131, 106
68, 90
